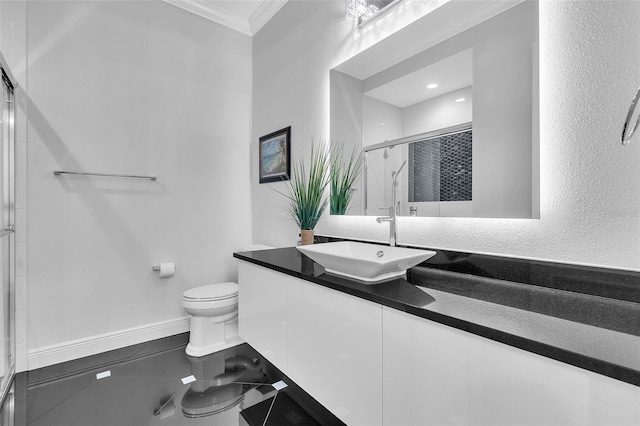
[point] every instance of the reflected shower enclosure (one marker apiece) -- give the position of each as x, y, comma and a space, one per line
440, 169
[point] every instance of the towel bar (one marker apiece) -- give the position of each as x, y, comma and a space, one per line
60, 172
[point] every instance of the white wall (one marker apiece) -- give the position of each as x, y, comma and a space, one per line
291, 56
381, 121
438, 113
131, 88
590, 185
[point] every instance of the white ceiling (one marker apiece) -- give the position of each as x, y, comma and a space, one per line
450, 74
246, 16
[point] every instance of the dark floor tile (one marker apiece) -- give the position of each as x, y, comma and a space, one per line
158, 384
280, 410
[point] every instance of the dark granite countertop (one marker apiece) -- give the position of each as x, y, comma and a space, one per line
559, 311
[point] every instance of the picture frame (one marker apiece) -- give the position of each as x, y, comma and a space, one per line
275, 156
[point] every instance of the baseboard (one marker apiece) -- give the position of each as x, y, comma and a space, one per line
74, 349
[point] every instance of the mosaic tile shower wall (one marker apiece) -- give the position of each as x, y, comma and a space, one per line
424, 171
440, 169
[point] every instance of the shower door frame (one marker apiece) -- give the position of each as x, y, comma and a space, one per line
8, 210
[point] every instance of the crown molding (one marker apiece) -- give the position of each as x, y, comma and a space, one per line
264, 13
211, 11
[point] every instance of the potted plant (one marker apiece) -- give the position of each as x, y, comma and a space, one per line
307, 192
343, 176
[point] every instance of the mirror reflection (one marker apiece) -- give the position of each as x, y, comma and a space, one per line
451, 130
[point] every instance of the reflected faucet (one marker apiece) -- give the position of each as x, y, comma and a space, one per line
393, 209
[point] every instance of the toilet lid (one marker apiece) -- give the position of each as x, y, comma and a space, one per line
212, 292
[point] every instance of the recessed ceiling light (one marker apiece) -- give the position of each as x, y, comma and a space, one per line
460, 100
432, 86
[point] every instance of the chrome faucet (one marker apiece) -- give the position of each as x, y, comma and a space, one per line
392, 224
393, 209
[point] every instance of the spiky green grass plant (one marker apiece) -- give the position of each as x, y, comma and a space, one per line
344, 175
307, 192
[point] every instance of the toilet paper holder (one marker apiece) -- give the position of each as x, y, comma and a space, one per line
165, 270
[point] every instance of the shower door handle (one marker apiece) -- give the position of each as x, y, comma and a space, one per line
8, 230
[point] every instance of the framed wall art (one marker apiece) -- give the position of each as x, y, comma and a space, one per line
275, 156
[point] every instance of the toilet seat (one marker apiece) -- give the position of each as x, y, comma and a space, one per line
211, 292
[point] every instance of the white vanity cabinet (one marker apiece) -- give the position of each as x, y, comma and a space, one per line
262, 311
334, 351
326, 341
438, 375
342, 349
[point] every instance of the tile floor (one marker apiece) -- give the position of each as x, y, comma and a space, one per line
155, 383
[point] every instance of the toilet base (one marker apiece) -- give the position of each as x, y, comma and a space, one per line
198, 351
212, 334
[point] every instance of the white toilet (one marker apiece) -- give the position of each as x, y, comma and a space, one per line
214, 318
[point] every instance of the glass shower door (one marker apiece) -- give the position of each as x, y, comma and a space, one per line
7, 238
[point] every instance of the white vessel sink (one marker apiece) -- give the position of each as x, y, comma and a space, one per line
365, 262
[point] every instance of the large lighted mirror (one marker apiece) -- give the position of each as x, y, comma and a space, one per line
446, 113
